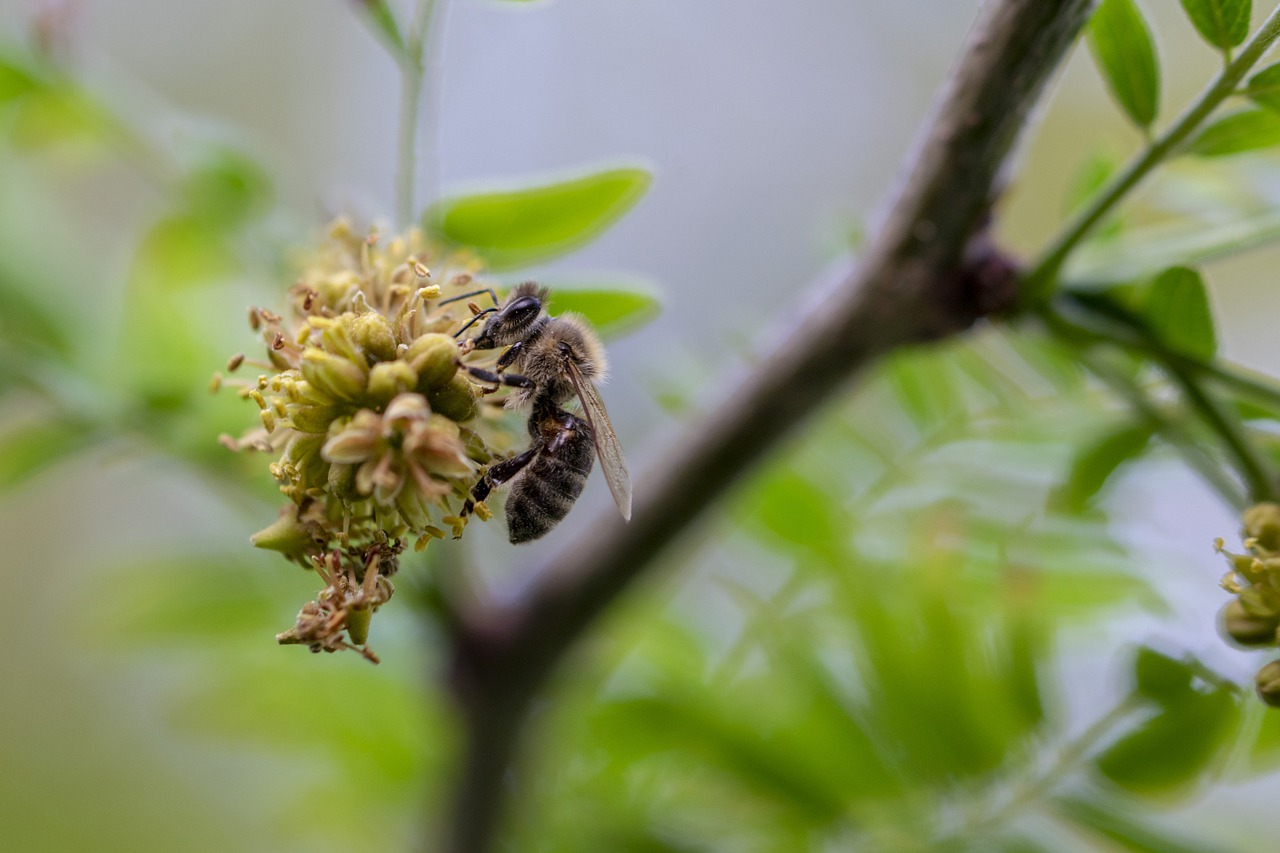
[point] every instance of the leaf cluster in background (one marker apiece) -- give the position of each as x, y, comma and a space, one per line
890, 682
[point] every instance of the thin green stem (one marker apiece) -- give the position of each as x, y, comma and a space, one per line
1040, 281
1128, 330
412, 79
1175, 433
1252, 466
1069, 759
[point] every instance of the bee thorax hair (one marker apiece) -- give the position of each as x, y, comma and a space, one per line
588, 352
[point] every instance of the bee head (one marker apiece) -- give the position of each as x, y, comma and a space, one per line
513, 320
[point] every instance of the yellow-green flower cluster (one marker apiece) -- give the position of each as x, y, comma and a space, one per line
376, 434
1252, 618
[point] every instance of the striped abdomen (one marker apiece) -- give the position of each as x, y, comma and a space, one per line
544, 492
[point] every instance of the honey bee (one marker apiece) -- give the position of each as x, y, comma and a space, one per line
551, 360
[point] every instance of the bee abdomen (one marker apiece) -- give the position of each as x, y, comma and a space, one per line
545, 491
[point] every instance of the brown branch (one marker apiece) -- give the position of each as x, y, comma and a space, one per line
924, 276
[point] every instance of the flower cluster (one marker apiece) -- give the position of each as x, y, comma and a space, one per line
1252, 618
375, 431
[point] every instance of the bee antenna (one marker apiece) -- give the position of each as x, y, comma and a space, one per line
472, 321
488, 290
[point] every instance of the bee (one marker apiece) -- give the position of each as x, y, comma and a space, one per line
548, 362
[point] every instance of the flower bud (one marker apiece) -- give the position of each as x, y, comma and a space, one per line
372, 332
388, 379
287, 535
435, 358
313, 419
1260, 601
413, 509
358, 619
1262, 522
1245, 628
455, 400
342, 481
339, 378
1268, 683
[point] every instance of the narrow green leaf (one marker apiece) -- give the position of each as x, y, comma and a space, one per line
1122, 47
1223, 23
612, 312
26, 320
1264, 88
1177, 309
1097, 462
1107, 819
1147, 251
16, 77
732, 743
1247, 130
380, 17
516, 228
26, 451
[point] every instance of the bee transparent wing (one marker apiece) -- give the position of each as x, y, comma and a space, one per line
606, 440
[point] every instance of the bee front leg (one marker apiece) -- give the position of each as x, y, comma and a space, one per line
514, 380
512, 353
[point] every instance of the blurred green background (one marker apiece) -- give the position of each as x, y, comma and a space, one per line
921, 627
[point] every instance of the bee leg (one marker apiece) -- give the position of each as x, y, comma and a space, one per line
504, 360
495, 476
515, 380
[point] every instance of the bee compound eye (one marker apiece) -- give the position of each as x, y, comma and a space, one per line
523, 307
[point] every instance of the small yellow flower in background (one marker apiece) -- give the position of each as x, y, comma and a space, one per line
376, 436
1252, 618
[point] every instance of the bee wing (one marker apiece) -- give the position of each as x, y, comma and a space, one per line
606, 440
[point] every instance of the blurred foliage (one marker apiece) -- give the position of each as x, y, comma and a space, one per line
871, 649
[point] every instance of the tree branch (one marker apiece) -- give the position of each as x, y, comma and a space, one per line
927, 274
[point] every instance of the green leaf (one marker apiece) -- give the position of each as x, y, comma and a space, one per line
182, 251
28, 450
1150, 250
27, 320
225, 187
1177, 309
1143, 762
1223, 23
1122, 47
1090, 177
1160, 677
1264, 88
612, 312
1103, 817
1097, 462
731, 741
1247, 130
380, 17
17, 78
519, 227
1195, 710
